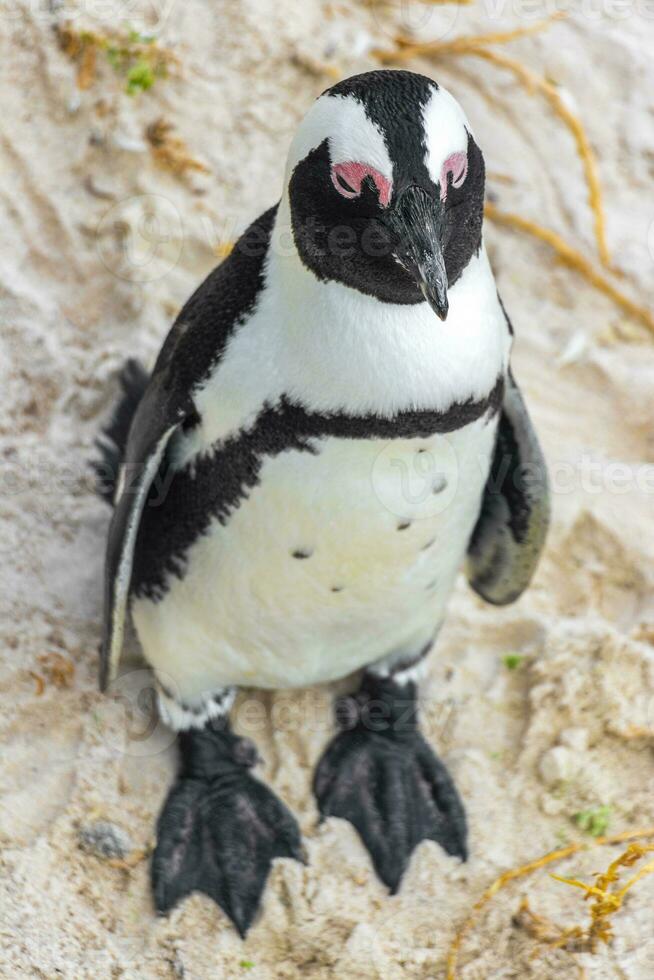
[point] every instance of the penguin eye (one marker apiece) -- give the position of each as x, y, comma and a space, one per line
344, 185
348, 180
456, 167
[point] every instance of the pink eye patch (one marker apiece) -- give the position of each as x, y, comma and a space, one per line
347, 178
456, 165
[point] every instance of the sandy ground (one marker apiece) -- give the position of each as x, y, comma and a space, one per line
99, 248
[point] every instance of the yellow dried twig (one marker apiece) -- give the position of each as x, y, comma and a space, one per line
522, 872
58, 668
39, 681
548, 933
131, 861
606, 902
86, 70
573, 259
170, 151
539, 927
478, 46
82, 48
466, 44
316, 66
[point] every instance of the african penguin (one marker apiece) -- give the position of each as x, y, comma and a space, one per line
330, 431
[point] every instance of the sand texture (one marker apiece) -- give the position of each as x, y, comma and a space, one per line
82, 287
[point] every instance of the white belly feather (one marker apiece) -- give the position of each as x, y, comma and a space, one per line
333, 561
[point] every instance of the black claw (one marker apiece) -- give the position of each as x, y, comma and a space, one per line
382, 776
219, 833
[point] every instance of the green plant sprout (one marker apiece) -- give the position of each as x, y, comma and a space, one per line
594, 821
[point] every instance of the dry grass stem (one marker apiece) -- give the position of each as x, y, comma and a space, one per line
606, 901
170, 151
526, 869
58, 670
574, 260
466, 44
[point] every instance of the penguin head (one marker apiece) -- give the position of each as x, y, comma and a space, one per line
385, 186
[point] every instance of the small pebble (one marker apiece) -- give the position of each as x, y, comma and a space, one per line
106, 840
575, 739
74, 101
552, 806
557, 765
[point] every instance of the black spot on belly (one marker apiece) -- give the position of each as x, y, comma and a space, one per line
302, 553
439, 485
429, 544
403, 525
336, 588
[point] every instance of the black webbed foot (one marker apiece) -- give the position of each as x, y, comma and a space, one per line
220, 828
381, 775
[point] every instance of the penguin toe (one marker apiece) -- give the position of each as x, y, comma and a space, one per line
220, 836
396, 792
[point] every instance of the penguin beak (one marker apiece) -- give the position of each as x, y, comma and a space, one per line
433, 282
417, 223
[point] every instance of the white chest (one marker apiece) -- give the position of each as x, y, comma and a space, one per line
335, 560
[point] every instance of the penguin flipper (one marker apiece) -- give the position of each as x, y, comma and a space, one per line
220, 829
157, 417
510, 533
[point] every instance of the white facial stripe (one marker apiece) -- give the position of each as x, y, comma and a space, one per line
352, 136
445, 131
